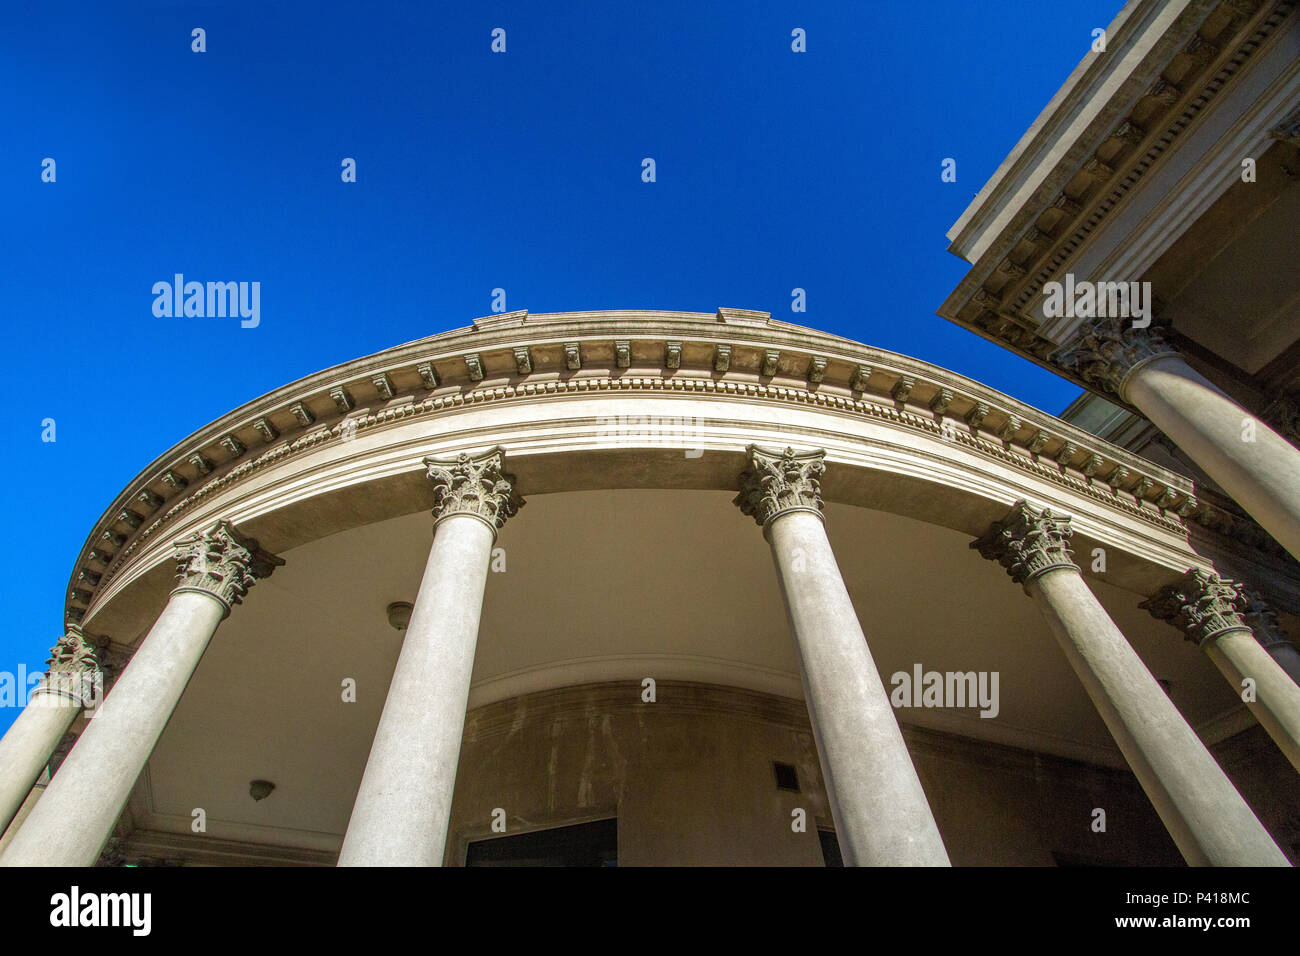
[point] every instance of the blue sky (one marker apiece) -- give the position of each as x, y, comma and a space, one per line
475, 171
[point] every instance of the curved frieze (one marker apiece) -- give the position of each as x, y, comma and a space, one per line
286, 423
870, 465
968, 438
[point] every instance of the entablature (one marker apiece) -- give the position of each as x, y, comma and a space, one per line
625, 354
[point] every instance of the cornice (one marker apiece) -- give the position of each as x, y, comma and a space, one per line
1139, 41
1239, 123
667, 354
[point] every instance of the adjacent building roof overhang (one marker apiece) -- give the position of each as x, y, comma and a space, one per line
1142, 143
1134, 173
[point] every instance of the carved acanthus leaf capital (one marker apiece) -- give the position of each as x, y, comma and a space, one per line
73, 671
1202, 605
222, 562
778, 482
74, 653
1109, 350
1028, 542
475, 485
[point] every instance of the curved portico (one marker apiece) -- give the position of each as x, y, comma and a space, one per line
627, 434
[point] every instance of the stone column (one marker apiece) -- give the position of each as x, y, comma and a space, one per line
1261, 618
73, 819
1204, 813
72, 681
1254, 464
1208, 610
403, 807
882, 817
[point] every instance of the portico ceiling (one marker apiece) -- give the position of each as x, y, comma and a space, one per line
609, 585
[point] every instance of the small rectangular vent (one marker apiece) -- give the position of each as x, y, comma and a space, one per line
787, 778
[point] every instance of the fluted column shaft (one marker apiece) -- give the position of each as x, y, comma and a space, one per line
74, 817
402, 809
27, 746
1203, 812
1287, 656
69, 825
1276, 698
881, 813
73, 680
1209, 610
1256, 466
1262, 475
403, 806
1261, 617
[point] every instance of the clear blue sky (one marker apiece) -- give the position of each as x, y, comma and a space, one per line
475, 170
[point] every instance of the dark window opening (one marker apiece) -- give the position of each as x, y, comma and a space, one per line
787, 778
584, 844
830, 848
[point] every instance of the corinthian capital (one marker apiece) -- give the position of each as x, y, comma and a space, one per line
1110, 350
222, 562
1202, 605
475, 485
74, 653
778, 482
1028, 542
73, 672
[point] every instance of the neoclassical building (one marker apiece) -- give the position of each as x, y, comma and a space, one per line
646, 588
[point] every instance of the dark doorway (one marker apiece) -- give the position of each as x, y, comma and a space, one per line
585, 844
